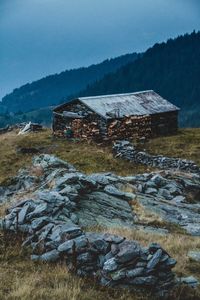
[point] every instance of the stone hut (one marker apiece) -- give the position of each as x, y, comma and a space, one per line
131, 115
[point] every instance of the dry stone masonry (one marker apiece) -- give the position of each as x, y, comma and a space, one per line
52, 204
124, 149
172, 196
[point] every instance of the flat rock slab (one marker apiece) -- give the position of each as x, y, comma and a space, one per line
190, 281
128, 251
99, 208
194, 255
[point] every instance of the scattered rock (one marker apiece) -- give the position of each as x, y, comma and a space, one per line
151, 191
96, 199
50, 256
63, 197
128, 251
190, 280
154, 260
77, 243
194, 255
179, 199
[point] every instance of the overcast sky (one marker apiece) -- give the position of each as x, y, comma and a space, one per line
41, 37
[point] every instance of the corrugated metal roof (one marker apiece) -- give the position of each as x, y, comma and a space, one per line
120, 105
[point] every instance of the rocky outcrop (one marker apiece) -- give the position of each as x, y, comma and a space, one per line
53, 205
172, 196
111, 259
190, 281
100, 199
55, 208
126, 150
194, 255
94, 202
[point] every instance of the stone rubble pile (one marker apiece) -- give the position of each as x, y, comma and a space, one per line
101, 198
189, 281
52, 219
124, 149
194, 255
172, 196
52, 203
93, 198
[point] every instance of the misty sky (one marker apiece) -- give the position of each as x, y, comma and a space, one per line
41, 37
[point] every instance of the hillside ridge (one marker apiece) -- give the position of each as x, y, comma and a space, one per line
54, 88
172, 69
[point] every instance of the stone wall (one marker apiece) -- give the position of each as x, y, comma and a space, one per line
50, 219
124, 149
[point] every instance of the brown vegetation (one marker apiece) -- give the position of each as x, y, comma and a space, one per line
21, 279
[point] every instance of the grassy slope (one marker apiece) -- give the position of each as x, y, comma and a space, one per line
89, 157
85, 156
186, 144
21, 279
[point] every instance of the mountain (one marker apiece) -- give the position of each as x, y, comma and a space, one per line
172, 69
54, 88
41, 115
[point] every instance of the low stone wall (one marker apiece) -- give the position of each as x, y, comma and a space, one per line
111, 259
126, 150
50, 220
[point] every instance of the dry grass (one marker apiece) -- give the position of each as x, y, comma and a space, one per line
87, 157
149, 218
185, 144
21, 279
144, 216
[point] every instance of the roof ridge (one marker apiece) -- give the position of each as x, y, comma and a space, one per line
114, 95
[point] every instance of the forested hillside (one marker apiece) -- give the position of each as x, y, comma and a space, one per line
54, 88
171, 69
